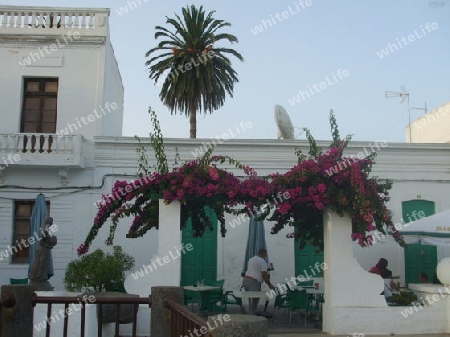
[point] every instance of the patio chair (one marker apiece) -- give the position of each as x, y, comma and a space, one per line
309, 283
298, 299
230, 299
214, 300
18, 280
281, 301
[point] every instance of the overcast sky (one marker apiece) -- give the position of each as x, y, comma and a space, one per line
305, 45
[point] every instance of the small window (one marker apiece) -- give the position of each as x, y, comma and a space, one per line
39, 105
22, 229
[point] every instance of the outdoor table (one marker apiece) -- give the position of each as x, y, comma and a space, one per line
251, 295
201, 289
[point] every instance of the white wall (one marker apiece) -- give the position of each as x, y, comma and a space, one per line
113, 93
432, 127
88, 78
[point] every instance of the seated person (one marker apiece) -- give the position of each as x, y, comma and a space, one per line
423, 277
381, 269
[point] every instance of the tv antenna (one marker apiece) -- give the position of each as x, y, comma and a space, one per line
284, 124
404, 95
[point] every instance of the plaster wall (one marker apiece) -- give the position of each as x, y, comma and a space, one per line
432, 127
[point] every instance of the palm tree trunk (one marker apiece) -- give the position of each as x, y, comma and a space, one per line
193, 123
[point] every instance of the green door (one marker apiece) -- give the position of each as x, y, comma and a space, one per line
201, 262
305, 260
419, 258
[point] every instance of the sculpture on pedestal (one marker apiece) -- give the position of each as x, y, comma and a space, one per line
39, 274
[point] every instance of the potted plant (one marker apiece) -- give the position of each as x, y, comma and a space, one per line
102, 274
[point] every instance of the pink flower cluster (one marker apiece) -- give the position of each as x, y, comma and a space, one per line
309, 186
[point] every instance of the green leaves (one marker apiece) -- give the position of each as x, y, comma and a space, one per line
98, 271
196, 76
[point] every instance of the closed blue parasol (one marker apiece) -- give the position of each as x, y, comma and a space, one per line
256, 240
38, 215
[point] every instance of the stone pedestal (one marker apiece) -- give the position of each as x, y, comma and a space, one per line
235, 325
18, 320
41, 286
160, 320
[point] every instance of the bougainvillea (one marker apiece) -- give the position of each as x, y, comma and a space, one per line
295, 198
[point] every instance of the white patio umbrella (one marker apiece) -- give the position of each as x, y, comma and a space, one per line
433, 230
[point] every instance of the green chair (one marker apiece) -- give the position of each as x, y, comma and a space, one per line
189, 298
214, 300
309, 283
18, 280
281, 301
298, 300
230, 299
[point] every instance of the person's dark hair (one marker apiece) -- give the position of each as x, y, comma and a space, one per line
382, 263
424, 276
262, 251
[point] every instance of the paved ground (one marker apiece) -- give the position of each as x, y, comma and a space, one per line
319, 334
280, 327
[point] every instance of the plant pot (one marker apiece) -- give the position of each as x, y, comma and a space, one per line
109, 310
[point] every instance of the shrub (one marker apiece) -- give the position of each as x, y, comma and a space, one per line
98, 271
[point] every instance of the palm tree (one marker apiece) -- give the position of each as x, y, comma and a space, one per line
198, 74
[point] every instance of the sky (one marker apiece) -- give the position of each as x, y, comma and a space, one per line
331, 51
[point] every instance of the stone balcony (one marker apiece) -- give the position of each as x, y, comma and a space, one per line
41, 150
79, 25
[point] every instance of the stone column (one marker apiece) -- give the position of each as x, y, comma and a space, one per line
18, 320
346, 284
160, 325
165, 267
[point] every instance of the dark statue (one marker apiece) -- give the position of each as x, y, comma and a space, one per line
39, 274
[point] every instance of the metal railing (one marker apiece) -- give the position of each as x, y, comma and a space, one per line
183, 321
49, 300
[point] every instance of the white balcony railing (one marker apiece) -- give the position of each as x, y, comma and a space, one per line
42, 149
53, 20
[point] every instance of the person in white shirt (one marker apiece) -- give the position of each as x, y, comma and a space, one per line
255, 275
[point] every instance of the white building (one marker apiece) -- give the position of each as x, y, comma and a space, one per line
61, 135
432, 127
